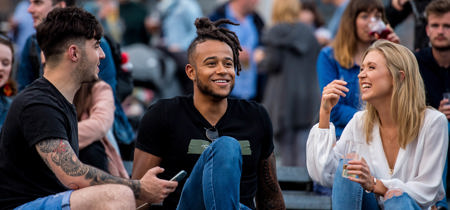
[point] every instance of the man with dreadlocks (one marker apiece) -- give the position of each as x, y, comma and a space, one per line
224, 144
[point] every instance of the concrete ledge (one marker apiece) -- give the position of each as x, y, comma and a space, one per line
306, 200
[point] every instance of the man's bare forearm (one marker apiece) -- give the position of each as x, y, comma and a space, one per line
57, 153
269, 194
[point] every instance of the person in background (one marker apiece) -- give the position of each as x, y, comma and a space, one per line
342, 59
7, 83
173, 24
403, 144
133, 14
311, 16
107, 12
21, 26
292, 92
398, 10
334, 22
94, 102
249, 84
434, 65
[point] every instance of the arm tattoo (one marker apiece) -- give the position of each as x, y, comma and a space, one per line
99, 177
63, 156
268, 195
60, 153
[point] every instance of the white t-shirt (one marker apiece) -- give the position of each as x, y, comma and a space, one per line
418, 168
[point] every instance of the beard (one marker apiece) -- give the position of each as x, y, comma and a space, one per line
85, 69
442, 48
205, 89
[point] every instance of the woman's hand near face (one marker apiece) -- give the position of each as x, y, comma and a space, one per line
392, 36
330, 97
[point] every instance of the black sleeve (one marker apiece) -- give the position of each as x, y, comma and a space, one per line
396, 17
271, 64
151, 131
41, 122
267, 147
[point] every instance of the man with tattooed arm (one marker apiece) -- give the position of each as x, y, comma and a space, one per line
39, 167
224, 144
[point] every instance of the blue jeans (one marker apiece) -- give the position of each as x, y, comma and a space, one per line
349, 195
214, 181
60, 201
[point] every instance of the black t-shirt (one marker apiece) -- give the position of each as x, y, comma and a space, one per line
38, 113
168, 127
435, 78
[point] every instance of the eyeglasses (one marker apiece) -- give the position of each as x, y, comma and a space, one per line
211, 133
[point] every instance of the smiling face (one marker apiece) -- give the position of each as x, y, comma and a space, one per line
375, 79
5, 63
91, 54
212, 70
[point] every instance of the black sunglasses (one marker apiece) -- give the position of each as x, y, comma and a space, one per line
212, 133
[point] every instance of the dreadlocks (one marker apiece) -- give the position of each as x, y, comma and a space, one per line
208, 30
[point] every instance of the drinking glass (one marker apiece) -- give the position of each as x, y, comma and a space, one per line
351, 152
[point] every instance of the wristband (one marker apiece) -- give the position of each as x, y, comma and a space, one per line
373, 188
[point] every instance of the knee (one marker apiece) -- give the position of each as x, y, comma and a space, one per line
393, 192
117, 195
227, 145
227, 150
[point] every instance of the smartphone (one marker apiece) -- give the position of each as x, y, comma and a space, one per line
179, 176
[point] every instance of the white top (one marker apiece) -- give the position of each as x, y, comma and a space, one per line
418, 168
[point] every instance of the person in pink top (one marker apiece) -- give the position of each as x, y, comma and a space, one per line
94, 102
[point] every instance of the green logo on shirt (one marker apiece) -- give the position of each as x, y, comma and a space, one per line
197, 146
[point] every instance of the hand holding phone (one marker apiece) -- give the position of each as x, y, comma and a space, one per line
179, 176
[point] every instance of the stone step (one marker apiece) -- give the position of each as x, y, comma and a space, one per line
305, 200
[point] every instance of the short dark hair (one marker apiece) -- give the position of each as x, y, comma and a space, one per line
64, 26
437, 7
208, 30
69, 3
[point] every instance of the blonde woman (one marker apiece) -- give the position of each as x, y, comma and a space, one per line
403, 143
292, 94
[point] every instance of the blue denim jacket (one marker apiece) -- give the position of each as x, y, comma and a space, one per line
328, 69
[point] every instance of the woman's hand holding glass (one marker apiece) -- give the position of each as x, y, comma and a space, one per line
361, 170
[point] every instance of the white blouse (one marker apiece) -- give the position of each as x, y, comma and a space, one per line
418, 168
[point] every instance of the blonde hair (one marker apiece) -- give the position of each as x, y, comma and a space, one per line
344, 44
286, 11
408, 96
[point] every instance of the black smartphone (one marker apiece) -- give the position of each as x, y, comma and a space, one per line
180, 175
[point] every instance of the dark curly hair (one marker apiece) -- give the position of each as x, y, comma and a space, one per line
208, 30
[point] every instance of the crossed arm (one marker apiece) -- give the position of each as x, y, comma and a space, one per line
61, 159
269, 194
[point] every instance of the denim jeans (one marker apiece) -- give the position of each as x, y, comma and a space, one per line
349, 195
214, 181
60, 201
